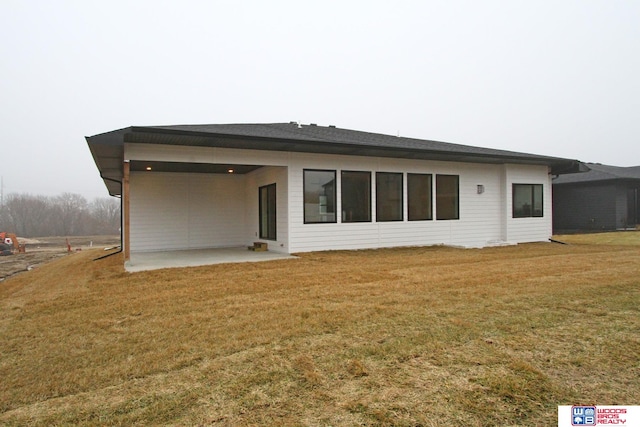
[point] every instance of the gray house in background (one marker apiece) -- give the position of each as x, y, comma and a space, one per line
605, 198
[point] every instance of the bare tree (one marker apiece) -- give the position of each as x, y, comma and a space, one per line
105, 213
71, 210
65, 215
25, 214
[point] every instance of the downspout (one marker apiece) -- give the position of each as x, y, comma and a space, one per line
121, 228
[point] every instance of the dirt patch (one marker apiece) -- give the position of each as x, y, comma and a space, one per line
41, 250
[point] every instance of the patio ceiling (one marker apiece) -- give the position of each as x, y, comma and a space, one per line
153, 166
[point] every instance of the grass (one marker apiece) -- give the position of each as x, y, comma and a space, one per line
617, 238
405, 337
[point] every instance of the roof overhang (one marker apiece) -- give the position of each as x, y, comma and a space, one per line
108, 150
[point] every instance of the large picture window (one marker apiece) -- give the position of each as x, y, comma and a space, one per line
356, 196
419, 197
388, 196
527, 200
319, 196
447, 197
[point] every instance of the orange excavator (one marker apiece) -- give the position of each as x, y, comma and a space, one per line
9, 244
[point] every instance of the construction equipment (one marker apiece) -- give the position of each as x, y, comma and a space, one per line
9, 244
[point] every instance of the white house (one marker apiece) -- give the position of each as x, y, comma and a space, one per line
308, 188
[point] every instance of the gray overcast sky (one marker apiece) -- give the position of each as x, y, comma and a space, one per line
559, 78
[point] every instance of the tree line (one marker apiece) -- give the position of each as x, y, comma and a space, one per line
65, 215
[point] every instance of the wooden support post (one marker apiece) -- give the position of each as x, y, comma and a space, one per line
126, 204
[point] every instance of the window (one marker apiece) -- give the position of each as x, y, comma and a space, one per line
267, 208
447, 197
356, 196
419, 196
527, 200
319, 196
388, 196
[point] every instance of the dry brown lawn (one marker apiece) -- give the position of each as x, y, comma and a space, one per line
430, 336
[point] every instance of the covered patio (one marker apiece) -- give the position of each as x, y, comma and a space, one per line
143, 261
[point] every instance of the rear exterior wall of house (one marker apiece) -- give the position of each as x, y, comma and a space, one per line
172, 211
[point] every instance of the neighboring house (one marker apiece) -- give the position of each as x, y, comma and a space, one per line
605, 198
308, 188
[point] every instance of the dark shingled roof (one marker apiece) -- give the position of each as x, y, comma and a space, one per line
108, 148
600, 173
334, 135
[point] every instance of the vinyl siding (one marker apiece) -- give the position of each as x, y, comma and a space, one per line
185, 211
522, 230
254, 180
584, 207
481, 215
592, 206
621, 207
198, 216
180, 211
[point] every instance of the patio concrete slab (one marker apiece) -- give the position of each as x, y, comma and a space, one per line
142, 261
